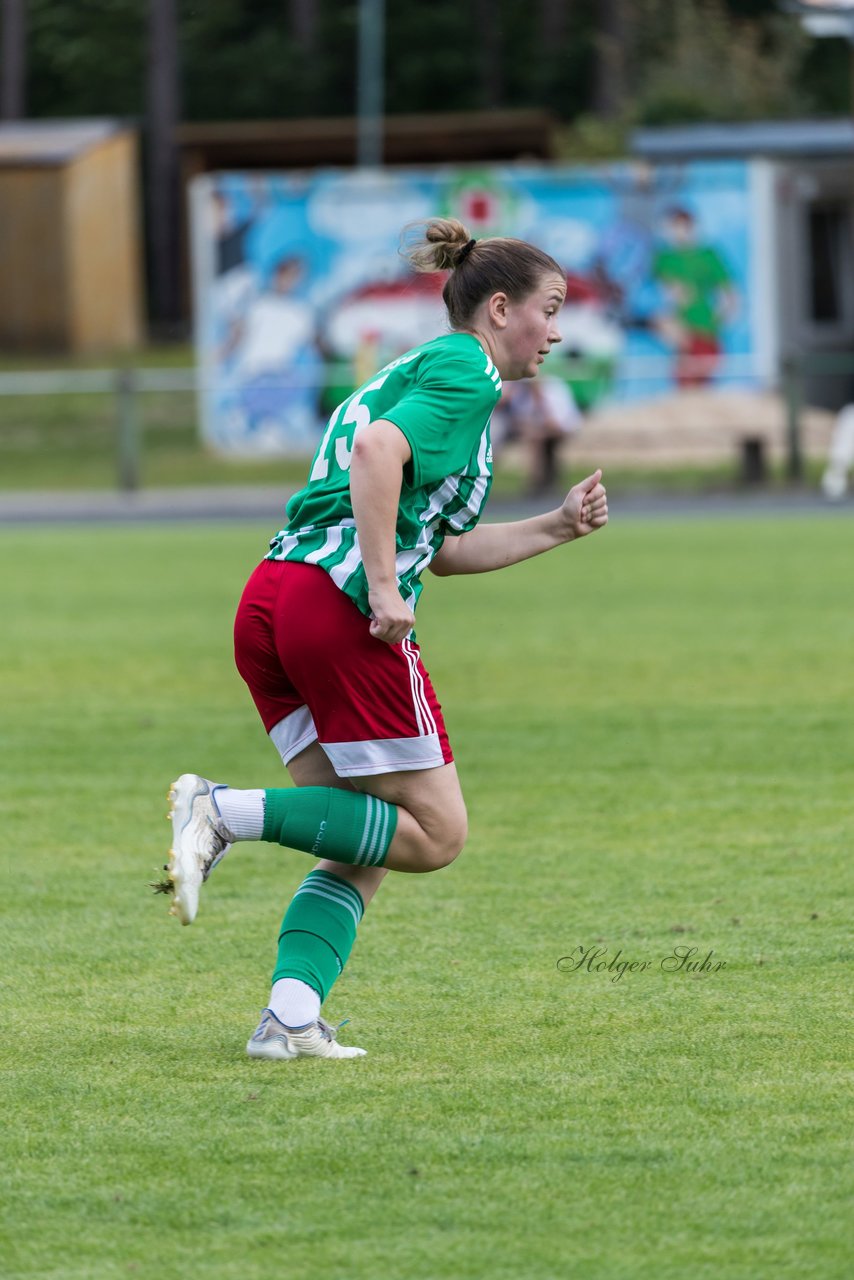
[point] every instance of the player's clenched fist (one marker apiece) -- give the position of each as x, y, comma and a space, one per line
392, 618
585, 508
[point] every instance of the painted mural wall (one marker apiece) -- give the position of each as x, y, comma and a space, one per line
301, 290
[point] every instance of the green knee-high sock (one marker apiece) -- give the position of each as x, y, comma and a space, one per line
345, 826
318, 931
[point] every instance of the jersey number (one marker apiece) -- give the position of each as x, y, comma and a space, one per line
355, 413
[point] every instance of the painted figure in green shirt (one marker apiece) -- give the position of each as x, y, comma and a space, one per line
702, 299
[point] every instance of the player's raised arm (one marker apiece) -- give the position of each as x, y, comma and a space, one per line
494, 546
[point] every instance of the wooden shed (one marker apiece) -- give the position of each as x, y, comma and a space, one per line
70, 245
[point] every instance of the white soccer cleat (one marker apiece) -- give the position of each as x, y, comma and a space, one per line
273, 1040
199, 839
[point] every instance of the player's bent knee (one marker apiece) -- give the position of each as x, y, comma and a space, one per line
444, 847
431, 831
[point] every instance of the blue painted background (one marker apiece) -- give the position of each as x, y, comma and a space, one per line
302, 290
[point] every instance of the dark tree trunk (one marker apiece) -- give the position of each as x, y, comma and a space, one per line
613, 40
164, 198
487, 15
553, 24
13, 68
304, 24
554, 17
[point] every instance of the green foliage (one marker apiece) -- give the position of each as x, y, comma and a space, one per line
86, 58
242, 62
827, 76
653, 731
590, 138
418, 80
698, 59
704, 65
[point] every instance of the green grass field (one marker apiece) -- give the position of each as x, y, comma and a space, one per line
653, 730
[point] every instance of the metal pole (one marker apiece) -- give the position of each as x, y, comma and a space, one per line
127, 432
793, 392
371, 84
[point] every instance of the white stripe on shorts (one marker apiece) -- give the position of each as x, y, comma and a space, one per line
423, 715
293, 734
384, 755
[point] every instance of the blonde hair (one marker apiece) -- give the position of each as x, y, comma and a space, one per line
478, 268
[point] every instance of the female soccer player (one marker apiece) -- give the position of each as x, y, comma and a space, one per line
323, 635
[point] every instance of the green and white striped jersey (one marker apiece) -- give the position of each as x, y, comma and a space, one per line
441, 396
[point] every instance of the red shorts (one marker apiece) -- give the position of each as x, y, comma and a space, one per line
697, 360
317, 674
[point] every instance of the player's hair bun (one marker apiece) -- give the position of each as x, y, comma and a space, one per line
440, 245
477, 268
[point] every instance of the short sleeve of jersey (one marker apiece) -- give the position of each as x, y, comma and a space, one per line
444, 414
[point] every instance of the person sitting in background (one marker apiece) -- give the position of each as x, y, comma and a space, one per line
541, 414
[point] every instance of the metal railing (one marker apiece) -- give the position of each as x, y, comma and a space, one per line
127, 385
124, 385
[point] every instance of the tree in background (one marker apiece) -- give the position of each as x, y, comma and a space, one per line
13, 67
304, 26
86, 58
610, 59
601, 64
614, 47
162, 115
700, 62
